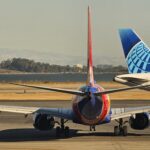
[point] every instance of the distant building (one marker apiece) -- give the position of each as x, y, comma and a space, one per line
78, 66
104, 66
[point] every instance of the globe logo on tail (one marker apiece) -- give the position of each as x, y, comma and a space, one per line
136, 52
138, 59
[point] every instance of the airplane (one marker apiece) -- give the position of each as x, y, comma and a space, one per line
91, 106
137, 55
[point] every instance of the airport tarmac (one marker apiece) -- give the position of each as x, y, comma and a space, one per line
17, 132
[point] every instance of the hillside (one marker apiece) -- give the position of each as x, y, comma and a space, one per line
27, 65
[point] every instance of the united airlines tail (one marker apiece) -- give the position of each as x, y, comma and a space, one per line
136, 52
90, 75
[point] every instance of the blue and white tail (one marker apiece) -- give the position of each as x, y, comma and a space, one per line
136, 52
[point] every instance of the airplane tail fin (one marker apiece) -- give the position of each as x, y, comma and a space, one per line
90, 75
136, 52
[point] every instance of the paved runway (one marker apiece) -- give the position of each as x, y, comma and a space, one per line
17, 132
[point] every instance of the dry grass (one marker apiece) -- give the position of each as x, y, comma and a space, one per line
13, 92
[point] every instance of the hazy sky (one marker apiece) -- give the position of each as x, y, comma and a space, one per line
55, 31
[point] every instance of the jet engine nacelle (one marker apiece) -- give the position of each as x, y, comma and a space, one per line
141, 121
43, 122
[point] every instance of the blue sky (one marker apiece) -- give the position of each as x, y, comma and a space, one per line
55, 31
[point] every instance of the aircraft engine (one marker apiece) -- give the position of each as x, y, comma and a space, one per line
141, 121
44, 122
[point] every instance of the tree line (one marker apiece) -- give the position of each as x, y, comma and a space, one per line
27, 65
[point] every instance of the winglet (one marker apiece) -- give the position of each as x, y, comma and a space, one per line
90, 76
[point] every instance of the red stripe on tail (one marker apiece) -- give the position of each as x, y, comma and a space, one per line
90, 76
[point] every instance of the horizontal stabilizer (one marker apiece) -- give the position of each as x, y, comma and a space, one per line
122, 89
74, 92
80, 93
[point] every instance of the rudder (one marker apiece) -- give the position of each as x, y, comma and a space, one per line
90, 75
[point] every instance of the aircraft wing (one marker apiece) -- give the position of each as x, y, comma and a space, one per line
134, 79
18, 109
55, 112
118, 113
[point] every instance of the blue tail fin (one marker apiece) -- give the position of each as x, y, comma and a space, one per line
136, 52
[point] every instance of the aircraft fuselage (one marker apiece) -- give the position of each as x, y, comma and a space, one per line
91, 109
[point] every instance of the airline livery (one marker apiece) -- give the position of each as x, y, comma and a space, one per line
91, 104
137, 55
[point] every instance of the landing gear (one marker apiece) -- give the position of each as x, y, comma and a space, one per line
58, 131
62, 129
116, 130
66, 131
92, 128
121, 129
125, 131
